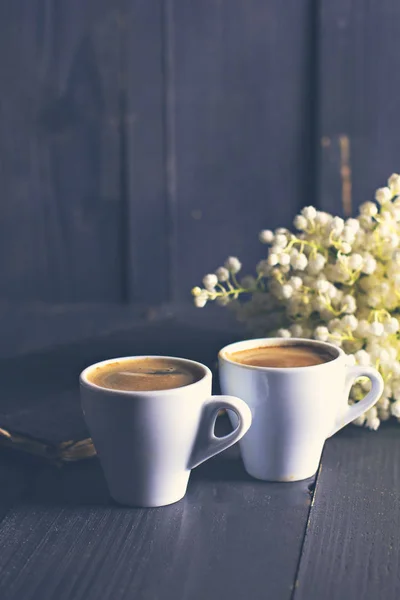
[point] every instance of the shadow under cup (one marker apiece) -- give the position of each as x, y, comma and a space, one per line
294, 410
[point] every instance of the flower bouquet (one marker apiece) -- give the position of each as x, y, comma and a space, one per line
334, 280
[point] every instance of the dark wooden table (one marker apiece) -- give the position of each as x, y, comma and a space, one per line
62, 538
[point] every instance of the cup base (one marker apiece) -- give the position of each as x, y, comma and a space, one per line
147, 503
283, 478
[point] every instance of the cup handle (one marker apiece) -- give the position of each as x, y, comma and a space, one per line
355, 410
207, 443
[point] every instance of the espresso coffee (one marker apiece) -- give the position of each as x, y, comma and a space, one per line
282, 357
144, 374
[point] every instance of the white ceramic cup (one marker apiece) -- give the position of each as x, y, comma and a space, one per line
149, 441
294, 409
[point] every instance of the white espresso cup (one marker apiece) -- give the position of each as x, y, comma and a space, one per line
295, 409
148, 441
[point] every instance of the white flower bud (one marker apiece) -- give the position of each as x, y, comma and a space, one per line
222, 273
387, 215
373, 423
296, 282
359, 421
273, 259
223, 300
384, 403
287, 291
396, 257
353, 224
201, 300
394, 184
264, 267
337, 225
350, 360
345, 248
348, 235
299, 262
376, 328
383, 415
392, 326
395, 408
334, 325
300, 222
383, 195
323, 218
350, 322
309, 212
284, 333
196, 291
383, 230
349, 305
296, 330
368, 209
387, 391
210, 281
322, 286
363, 329
316, 263
334, 293
379, 353
369, 264
362, 357
280, 240
356, 261
321, 333
233, 264
284, 259
266, 236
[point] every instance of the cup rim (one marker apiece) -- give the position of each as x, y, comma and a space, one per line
275, 341
83, 377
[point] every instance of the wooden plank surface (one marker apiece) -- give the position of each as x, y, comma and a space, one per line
59, 153
357, 57
231, 535
239, 126
352, 548
17, 475
61, 536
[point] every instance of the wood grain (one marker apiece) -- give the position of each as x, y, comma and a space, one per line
63, 537
17, 475
230, 537
241, 141
352, 545
149, 229
59, 152
357, 56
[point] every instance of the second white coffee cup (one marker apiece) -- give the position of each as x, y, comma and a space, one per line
295, 409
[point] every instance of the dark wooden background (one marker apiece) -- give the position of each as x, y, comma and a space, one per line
143, 141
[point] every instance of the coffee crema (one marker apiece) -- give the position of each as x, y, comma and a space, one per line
144, 374
282, 357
